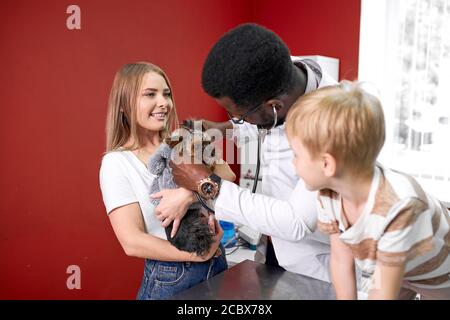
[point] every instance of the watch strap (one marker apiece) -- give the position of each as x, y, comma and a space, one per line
204, 204
214, 177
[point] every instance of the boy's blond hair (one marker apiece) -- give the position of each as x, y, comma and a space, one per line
343, 120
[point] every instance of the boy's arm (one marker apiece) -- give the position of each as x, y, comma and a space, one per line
386, 282
408, 233
342, 269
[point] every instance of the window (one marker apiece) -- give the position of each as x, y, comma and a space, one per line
405, 53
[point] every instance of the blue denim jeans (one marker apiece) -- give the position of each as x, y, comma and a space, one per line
164, 279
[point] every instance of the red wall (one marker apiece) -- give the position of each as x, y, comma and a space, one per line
325, 27
54, 88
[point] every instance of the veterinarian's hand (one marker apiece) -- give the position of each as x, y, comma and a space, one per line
189, 175
214, 250
173, 206
206, 125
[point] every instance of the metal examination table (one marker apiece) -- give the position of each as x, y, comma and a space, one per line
250, 280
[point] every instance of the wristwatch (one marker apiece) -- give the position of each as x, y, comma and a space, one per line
208, 188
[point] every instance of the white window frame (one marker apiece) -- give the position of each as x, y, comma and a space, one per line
379, 34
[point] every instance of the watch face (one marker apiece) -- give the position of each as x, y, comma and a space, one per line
207, 188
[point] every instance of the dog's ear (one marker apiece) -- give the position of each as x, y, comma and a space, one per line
189, 124
172, 141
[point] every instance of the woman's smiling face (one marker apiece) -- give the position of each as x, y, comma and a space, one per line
154, 102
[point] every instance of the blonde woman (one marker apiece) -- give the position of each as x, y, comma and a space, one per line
141, 113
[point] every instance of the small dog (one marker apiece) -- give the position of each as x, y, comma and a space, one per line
194, 234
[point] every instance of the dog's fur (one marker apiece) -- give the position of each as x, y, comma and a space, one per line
194, 234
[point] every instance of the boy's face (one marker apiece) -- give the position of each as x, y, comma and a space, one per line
307, 168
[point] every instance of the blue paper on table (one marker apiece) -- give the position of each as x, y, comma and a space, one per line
229, 235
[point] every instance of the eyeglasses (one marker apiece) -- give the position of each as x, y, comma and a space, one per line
240, 120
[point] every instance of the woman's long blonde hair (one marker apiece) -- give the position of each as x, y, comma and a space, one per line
121, 121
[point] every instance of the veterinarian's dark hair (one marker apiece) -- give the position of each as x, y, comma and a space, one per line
249, 64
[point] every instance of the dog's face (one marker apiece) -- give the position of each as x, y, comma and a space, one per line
189, 144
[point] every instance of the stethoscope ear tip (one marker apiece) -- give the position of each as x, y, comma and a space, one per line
275, 117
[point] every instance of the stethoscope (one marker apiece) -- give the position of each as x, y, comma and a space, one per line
261, 135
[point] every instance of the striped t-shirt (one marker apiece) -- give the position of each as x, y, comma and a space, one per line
399, 224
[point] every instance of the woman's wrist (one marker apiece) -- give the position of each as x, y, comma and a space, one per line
190, 196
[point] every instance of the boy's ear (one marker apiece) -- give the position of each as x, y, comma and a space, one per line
328, 165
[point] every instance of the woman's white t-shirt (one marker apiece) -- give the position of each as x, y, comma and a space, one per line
124, 179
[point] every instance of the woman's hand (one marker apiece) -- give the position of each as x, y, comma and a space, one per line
214, 250
173, 206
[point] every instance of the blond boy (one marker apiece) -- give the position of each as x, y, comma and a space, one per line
379, 218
